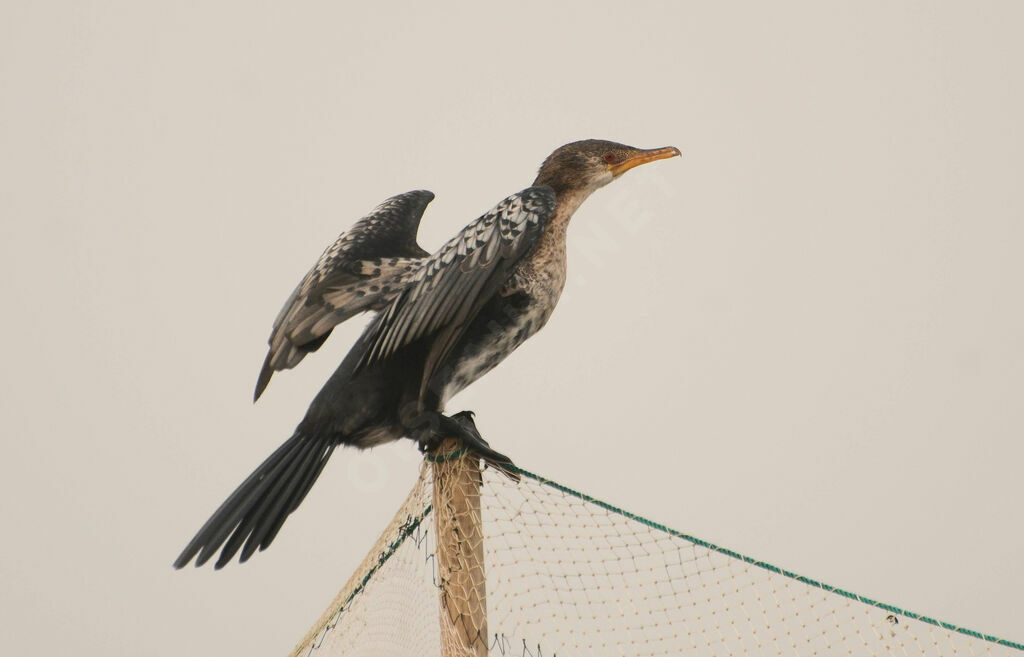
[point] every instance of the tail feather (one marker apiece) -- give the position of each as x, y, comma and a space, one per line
244, 506
249, 525
216, 529
274, 501
300, 494
238, 537
311, 479
253, 536
256, 509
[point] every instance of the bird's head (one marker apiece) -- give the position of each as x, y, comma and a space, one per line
584, 166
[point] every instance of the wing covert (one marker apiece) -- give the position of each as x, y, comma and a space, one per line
362, 270
450, 287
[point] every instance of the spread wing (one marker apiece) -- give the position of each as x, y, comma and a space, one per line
450, 288
365, 268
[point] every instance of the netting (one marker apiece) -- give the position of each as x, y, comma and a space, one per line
534, 568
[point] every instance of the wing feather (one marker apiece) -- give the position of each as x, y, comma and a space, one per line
364, 269
449, 289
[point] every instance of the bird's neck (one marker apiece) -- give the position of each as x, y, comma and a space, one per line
567, 201
550, 250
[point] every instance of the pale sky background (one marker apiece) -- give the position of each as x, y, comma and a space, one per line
803, 340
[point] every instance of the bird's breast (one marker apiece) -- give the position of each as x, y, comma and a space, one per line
507, 322
519, 310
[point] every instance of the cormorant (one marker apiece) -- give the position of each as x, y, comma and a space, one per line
443, 321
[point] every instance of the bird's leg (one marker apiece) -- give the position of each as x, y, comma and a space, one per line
425, 428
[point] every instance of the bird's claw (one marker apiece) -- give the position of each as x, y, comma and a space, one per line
429, 443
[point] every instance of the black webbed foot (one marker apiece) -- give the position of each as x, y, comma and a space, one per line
435, 428
465, 418
462, 426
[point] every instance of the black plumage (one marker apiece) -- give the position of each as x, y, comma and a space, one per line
443, 321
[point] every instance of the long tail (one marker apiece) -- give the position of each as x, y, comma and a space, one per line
254, 513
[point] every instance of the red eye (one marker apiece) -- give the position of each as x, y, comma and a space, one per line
609, 158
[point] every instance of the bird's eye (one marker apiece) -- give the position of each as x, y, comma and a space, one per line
609, 158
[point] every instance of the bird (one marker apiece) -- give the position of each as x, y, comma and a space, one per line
442, 321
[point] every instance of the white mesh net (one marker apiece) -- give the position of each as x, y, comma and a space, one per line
567, 575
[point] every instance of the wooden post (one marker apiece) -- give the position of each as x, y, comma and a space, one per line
460, 551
